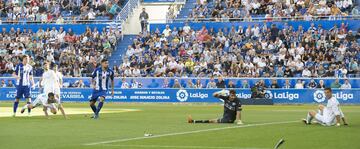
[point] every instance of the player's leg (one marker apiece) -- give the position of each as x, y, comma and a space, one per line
190, 120
93, 100
100, 105
60, 106
28, 98
309, 117
32, 105
19, 94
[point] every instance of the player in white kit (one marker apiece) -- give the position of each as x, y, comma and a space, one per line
46, 100
328, 115
51, 81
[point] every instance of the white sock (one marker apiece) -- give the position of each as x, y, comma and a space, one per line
25, 107
308, 118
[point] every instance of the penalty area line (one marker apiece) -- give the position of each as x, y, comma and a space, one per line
187, 132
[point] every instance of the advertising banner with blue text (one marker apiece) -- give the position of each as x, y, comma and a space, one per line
279, 96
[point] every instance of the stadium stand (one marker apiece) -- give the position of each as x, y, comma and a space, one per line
58, 11
254, 51
75, 52
274, 10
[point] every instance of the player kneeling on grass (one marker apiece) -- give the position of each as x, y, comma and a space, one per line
328, 115
47, 101
51, 80
232, 110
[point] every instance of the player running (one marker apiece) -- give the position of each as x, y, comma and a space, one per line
232, 110
100, 80
51, 82
24, 79
46, 100
329, 115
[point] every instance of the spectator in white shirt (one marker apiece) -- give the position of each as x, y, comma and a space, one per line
124, 84
167, 31
306, 72
346, 85
299, 84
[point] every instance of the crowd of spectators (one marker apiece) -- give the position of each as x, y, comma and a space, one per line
58, 11
221, 83
218, 10
250, 51
75, 54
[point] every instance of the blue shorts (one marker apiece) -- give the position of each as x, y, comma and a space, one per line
96, 94
22, 91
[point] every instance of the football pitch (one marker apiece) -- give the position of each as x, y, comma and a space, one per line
123, 125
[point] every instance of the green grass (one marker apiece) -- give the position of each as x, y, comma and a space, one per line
158, 119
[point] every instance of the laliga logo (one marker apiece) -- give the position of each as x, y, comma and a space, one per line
268, 95
283, 95
343, 96
319, 96
182, 95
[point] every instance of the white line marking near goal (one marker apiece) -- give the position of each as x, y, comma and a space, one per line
189, 132
186, 147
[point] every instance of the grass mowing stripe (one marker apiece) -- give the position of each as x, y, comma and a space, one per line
189, 132
189, 147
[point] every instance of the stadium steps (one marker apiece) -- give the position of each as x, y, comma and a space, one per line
120, 50
186, 9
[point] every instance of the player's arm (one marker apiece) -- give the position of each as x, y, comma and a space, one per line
15, 73
217, 95
93, 78
335, 109
112, 83
32, 81
45, 112
238, 113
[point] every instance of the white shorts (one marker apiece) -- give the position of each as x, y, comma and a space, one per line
326, 120
38, 102
51, 106
52, 89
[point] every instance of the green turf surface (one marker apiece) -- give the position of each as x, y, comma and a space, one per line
159, 119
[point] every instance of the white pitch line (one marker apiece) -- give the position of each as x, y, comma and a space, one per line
186, 147
188, 132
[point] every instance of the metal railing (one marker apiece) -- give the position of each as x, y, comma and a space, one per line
127, 10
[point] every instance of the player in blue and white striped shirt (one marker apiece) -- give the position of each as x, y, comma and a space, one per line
100, 80
24, 80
